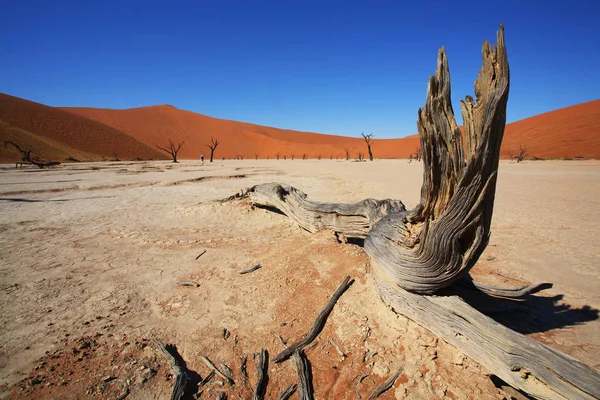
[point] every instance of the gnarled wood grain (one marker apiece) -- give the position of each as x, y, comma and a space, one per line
414, 254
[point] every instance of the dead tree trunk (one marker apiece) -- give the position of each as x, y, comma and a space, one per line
419, 253
368, 139
27, 158
212, 146
172, 150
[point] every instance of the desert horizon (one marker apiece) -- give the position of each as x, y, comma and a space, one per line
90, 134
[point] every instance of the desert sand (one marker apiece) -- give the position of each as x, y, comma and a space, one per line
91, 253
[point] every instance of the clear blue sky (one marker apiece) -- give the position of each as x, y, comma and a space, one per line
330, 67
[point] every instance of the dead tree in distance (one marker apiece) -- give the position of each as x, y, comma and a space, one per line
431, 249
522, 153
173, 149
27, 158
212, 146
368, 139
347, 154
278, 155
418, 154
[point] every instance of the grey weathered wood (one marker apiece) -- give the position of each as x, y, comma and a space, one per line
385, 385
262, 368
436, 244
519, 360
178, 370
194, 284
287, 392
414, 254
317, 326
304, 372
212, 366
252, 269
352, 220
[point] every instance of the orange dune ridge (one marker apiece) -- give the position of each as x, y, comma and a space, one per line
95, 134
567, 132
55, 134
155, 125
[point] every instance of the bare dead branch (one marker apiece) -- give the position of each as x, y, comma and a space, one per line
318, 325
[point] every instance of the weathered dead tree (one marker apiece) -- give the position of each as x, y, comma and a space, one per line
278, 154
421, 258
27, 158
361, 156
347, 154
212, 146
418, 155
522, 153
173, 149
368, 139
292, 155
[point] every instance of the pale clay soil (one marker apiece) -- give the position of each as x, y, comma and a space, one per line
90, 255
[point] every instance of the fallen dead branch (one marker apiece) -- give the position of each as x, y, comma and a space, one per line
207, 378
188, 284
318, 325
214, 368
247, 271
385, 386
201, 254
288, 392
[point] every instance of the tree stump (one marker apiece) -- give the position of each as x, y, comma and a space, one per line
418, 257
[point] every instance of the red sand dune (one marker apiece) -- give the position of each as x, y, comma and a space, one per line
567, 132
154, 125
92, 134
55, 134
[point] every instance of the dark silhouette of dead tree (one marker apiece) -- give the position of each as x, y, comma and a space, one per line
430, 250
173, 149
27, 158
292, 155
304, 156
256, 156
347, 154
418, 155
361, 156
369, 140
278, 155
212, 146
522, 153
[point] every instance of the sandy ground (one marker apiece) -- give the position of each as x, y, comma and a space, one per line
90, 255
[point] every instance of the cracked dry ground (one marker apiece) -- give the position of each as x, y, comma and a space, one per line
90, 259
